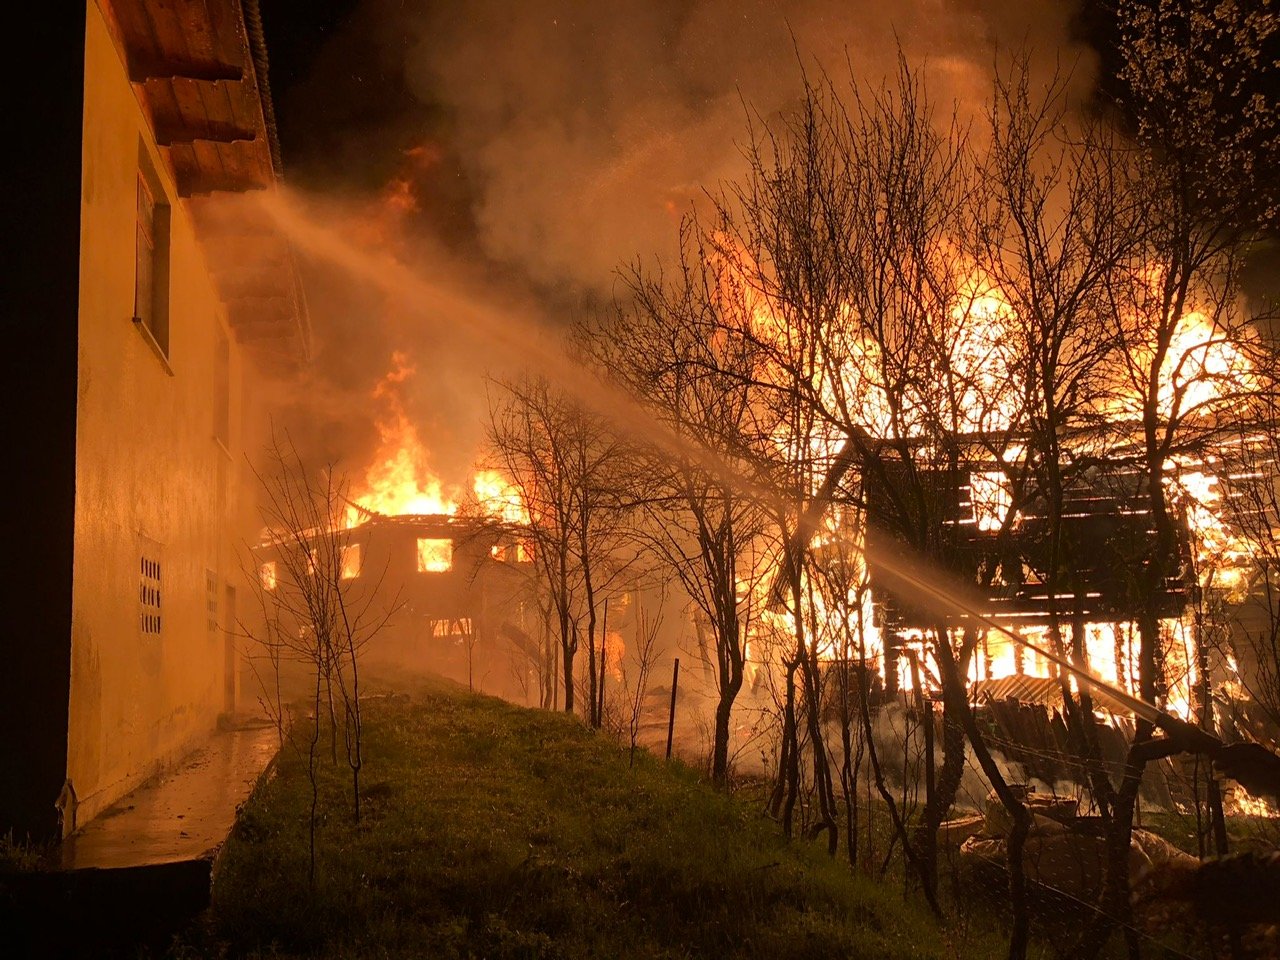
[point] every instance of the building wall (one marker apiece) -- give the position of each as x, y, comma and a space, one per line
151, 479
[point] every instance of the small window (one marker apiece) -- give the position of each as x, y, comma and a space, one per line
351, 555
434, 556
149, 596
151, 258
267, 575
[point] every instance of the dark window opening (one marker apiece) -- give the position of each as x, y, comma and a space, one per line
151, 259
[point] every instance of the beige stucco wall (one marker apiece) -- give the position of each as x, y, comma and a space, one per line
148, 466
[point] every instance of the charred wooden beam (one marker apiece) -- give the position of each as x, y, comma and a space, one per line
143, 68
180, 130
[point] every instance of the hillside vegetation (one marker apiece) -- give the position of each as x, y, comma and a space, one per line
495, 831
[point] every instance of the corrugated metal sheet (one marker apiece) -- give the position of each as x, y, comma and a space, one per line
1040, 690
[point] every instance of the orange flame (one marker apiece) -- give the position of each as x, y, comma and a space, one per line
399, 480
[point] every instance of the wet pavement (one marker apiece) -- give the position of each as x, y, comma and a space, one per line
138, 873
183, 815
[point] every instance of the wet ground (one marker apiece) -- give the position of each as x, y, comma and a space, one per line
183, 815
135, 874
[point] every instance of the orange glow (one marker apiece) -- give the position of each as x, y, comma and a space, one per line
991, 498
352, 555
1243, 804
268, 576
498, 498
434, 555
399, 480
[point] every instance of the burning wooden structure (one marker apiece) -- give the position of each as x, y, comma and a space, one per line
452, 587
1004, 566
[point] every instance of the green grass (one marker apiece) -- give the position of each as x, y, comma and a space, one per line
495, 831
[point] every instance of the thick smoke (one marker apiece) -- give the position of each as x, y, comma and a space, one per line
587, 129
533, 147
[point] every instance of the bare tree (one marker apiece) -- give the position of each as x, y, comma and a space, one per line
635, 680
315, 611
1189, 359
672, 346
566, 463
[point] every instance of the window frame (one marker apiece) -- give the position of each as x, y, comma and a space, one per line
152, 231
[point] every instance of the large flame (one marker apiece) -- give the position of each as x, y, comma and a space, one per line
1201, 368
498, 498
399, 480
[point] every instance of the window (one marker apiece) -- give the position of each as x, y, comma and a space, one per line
149, 596
434, 556
151, 259
267, 575
351, 555
445, 629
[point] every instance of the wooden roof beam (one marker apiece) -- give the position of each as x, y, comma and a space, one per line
209, 182
143, 68
180, 130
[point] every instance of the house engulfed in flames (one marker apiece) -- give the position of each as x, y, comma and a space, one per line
450, 587
444, 575
906, 515
1106, 520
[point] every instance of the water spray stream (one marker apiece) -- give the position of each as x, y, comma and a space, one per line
520, 338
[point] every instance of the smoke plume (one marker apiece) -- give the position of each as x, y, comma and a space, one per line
527, 149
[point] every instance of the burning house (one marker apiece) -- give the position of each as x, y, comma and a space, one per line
1006, 561
451, 589
140, 322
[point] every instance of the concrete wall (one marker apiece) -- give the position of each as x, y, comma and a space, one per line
151, 479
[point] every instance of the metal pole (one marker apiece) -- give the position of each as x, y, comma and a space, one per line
671, 717
604, 632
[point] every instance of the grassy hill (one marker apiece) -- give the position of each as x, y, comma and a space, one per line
495, 831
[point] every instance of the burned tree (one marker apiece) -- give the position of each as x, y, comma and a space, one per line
314, 614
